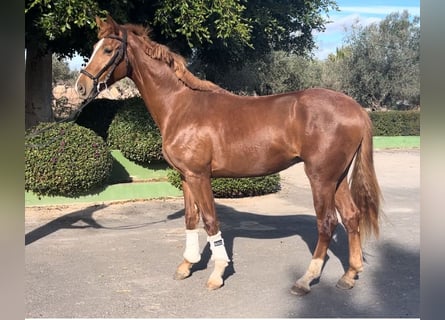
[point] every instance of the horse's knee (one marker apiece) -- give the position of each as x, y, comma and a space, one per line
211, 225
192, 217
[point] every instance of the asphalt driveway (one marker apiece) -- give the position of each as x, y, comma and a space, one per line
118, 260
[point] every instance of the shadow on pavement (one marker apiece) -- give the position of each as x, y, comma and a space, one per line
232, 222
236, 224
67, 221
392, 291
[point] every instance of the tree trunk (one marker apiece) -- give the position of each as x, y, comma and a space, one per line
38, 88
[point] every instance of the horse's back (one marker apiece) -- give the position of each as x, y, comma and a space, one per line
329, 102
250, 136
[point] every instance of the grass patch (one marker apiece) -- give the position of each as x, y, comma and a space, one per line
128, 181
400, 142
125, 170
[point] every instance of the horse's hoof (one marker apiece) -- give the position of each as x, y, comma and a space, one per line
214, 284
183, 270
180, 275
299, 290
345, 283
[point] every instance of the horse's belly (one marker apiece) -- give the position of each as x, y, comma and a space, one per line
251, 165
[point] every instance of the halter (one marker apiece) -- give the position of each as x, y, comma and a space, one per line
113, 63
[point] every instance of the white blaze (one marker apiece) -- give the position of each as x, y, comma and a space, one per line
96, 49
98, 45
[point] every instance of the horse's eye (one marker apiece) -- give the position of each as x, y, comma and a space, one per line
108, 50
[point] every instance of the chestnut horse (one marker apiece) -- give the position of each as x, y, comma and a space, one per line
209, 132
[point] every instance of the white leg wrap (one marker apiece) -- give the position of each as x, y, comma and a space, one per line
191, 252
217, 247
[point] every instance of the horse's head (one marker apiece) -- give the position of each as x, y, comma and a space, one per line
109, 61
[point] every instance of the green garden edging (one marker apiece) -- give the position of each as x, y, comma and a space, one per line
116, 192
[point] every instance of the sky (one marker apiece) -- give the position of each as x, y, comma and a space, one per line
365, 11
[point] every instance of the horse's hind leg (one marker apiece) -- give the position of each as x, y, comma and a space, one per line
350, 219
323, 194
191, 253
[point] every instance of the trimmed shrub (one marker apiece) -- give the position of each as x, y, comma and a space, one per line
98, 114
396, 123
236, 187
65, 159
135, 134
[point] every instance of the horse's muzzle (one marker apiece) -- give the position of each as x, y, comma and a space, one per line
84, 87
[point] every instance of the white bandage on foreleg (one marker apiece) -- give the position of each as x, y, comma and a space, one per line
191, 253
217, 247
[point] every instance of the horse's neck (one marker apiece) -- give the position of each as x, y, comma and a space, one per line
157, 86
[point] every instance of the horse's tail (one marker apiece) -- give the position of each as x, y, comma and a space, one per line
364, 185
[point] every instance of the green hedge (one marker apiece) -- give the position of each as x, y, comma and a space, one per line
236, 187
65, 159
134, 133
396, 123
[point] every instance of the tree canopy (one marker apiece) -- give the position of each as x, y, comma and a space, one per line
218, 33
67, 26
379, 64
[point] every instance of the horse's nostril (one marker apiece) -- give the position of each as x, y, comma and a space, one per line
80, 89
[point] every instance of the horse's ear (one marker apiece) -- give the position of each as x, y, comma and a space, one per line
114, 27
99, 22
109, 26
111, 21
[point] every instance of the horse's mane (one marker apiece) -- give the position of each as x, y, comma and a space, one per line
176, 62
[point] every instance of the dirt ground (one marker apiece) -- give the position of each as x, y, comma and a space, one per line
117, 259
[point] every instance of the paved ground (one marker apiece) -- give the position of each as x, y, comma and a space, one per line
117, 260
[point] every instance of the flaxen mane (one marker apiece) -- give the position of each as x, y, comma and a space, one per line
173, 60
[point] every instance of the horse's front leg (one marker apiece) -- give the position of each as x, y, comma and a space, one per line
191, 253
201, 191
